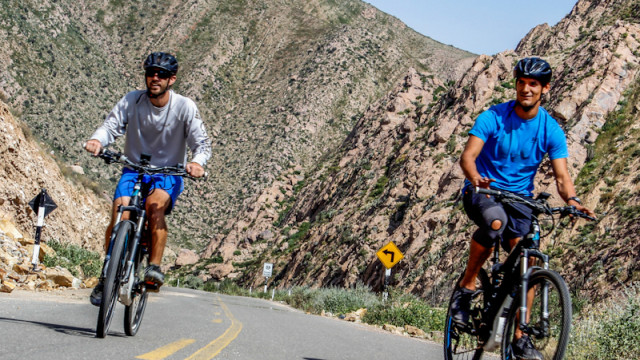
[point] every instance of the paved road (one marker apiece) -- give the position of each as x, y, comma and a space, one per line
187, 324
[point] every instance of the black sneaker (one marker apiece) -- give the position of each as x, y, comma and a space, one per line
523, 349
460, 304
96, 294
153, 274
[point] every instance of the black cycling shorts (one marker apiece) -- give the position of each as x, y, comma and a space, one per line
483, 210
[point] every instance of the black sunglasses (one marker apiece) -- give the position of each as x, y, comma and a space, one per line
162, 74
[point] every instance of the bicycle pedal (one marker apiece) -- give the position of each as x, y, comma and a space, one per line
152, 287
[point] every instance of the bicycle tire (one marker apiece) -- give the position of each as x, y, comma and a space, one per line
461, 345
112, 279
553, 344
133, 313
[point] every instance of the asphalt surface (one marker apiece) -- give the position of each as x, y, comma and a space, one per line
188, 324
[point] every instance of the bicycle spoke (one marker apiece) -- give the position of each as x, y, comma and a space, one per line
460, 344
548, 330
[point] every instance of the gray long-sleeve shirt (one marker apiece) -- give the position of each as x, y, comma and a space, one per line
162, 133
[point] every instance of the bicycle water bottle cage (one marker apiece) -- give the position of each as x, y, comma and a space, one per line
145, 159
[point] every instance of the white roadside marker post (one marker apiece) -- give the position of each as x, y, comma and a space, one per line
42, 205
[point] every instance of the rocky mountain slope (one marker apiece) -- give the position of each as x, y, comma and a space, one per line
78, 219
396, 176
278, 83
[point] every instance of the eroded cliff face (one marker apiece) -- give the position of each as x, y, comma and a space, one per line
396, 177
81, 215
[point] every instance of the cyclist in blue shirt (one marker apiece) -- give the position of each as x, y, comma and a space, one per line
505, 148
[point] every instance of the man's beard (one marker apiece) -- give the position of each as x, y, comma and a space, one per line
153, 96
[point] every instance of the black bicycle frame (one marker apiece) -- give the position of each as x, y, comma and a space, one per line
138, 218
505, 284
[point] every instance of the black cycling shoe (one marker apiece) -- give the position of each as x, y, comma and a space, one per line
96, 294
153, 276
523, 349
460, 304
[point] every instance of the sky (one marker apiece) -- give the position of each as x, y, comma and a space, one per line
481, 27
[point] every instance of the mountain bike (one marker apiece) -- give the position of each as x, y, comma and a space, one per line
129, 249
519, 294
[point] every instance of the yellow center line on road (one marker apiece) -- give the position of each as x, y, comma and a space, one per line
166, 350
215, 347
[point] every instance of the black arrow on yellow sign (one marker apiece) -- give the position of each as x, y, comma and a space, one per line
387, 252
389, 249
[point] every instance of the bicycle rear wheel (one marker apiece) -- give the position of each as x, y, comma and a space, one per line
112, 279
549, 334
133, 313
460, 344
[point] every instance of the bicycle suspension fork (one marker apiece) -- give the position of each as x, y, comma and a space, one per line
525, 272
134, 243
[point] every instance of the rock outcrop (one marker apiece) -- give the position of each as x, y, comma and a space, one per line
17, 271
81, 215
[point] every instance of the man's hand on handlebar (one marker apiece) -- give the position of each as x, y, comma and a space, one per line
93, 146
194, 169
585, 210
482, 182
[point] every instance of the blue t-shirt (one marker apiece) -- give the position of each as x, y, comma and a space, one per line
514, 148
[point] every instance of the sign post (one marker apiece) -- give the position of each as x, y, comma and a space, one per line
389, 255
387, 275
267, 270
42, 205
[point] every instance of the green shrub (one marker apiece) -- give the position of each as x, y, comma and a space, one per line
81, 262
342, 301
407, 310
379, 188
334, 300
301, 298
193, 282
609, 331
226, 286
302, 232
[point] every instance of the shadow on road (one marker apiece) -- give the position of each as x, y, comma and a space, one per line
69, 330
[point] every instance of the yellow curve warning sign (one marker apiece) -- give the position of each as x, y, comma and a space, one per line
390, 255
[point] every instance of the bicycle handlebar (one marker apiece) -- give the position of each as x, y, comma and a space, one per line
539, 206
113, 156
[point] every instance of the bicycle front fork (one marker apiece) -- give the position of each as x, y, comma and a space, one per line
525, 272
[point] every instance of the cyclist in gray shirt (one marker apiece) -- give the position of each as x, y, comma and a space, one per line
160, 123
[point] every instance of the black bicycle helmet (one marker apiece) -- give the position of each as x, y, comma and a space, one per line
535, 68
161, 60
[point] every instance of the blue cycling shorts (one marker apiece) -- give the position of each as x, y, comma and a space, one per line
173, 185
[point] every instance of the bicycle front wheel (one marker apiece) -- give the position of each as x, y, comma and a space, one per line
133, 313
461, 344
549, 320
112, 278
